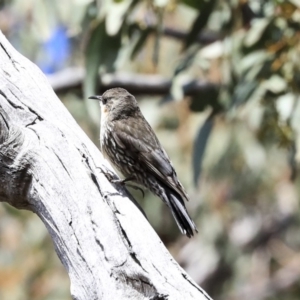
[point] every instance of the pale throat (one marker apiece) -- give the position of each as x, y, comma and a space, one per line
104, 114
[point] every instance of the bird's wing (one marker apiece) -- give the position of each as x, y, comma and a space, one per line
146, 149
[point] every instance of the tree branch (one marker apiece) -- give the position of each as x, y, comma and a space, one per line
204, 37
49, 166
72, 78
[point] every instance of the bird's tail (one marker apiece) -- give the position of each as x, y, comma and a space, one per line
180, 214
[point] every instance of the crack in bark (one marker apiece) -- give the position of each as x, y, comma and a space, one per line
35, 132
157, 270
6, 52
129, 245
165, 278
14, 105
78, 250
86, 263
195, 286
34, 112
62, 164
2, 94
121, 264
159, 297
9, 56
4, 132
94, 178
98, 241
33, 122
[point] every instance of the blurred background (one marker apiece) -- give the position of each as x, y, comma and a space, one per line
219, 81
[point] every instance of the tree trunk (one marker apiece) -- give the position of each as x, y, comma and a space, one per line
49, 166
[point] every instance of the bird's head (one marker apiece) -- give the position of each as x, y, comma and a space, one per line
117, 103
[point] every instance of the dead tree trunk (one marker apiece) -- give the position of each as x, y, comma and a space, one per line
49, 166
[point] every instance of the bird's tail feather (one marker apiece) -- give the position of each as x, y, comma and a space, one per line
180, 214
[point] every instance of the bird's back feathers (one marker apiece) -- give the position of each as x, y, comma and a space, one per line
147, 150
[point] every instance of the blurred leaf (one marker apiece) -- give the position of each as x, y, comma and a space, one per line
255, 33
187, 61
265, 70
176, 89
247, 13
292, 160
243, 92
200, 146
208, 97
275, 84
93, 59
272, 130
102, 50
254, 58
115, 15
287, 9
213, 51
205, 9
158, 36
166, 99
161, 3
144, 34
295, 2
191, 3
285, 105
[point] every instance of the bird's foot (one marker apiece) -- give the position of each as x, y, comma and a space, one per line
111, 177
108, 174
124, 182
136, 188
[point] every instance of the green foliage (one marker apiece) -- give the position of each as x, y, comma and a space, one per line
101, 52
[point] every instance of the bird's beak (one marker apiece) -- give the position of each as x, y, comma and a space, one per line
99, 98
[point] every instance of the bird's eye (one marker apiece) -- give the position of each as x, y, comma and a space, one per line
104, 100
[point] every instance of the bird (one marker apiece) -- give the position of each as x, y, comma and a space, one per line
129, 143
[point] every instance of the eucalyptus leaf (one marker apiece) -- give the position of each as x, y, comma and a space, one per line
207, 97
243, 92
102, 50
205, 9
292, 160
200, 146
143, 36
295, 2
191, 3
115, 15
161, 3
285, 105
254, 58
276, 84
256, 31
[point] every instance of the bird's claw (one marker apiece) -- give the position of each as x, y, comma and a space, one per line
111, 177
109, 174
124, 183
136, 188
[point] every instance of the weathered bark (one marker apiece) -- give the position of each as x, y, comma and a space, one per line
49, 166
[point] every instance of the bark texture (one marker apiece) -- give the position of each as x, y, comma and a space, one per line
49, 166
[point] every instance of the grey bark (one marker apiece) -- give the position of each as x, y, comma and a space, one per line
49, 166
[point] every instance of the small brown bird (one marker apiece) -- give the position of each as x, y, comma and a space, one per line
129, 143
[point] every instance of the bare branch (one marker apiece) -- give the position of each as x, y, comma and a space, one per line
203, 38
72, 78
